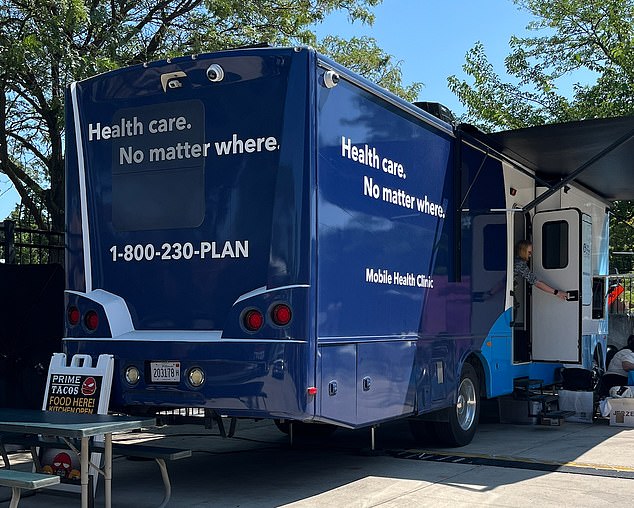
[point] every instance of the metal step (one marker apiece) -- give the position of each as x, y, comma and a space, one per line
543, 398
554, 418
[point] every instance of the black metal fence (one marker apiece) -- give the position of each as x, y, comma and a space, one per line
25, 246
32, 299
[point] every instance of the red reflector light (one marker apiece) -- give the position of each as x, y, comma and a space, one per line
91, 320
312, 390
253, 320
73, 316
281, 314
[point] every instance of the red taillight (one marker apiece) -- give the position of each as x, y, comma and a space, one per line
253, 320
91, 320
73, 316
281, 314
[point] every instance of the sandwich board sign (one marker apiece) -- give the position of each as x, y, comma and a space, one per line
75, 387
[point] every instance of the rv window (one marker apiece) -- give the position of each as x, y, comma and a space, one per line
159, 199
555, 245
159, 181
494, 247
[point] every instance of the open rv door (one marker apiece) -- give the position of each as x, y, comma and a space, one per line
561, 258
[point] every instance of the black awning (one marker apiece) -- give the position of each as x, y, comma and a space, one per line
600, 152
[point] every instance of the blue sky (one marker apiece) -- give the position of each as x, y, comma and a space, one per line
429, 37
8, 196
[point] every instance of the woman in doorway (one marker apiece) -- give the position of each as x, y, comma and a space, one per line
523, 253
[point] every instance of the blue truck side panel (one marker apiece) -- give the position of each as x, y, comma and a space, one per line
385, 181
384, 185
497, 352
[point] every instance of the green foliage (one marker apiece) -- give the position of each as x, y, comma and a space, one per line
622, 236
363, 56
46, 44
492, 103
572, 35
593, 35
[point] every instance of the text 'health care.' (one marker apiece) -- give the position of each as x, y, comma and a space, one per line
133, 127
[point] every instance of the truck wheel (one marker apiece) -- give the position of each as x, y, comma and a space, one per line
464, 416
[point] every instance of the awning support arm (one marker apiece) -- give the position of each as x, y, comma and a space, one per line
475, 178
565, 181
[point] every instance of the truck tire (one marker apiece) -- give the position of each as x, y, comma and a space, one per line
463, 417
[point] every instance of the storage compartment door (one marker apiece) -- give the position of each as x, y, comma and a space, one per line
385, 380
338, 383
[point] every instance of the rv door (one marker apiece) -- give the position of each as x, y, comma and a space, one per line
560, 239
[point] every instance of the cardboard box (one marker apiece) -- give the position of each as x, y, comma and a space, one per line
582, 403
621, 411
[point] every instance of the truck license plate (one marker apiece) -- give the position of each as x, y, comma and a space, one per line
165, 372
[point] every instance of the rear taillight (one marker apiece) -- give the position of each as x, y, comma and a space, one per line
281, 314
91, 320
73, 316
253, 320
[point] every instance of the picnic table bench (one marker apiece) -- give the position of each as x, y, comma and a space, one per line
160, 454
19, 480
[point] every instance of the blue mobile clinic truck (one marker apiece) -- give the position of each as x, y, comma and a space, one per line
265, 234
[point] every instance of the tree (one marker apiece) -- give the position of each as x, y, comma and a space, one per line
593, 35
363, 56
46, 44
590, 35
622, 236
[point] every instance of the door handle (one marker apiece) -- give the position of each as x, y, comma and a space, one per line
573, 295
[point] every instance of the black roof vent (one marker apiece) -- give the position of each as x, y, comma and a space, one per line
438, 110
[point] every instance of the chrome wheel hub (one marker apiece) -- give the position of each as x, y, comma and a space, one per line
466, 405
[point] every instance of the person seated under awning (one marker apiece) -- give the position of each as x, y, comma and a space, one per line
623, 361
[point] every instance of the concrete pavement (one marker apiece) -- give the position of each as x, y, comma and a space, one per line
258, 468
